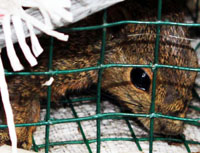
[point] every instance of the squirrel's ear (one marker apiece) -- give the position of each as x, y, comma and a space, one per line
115, 14
118, 13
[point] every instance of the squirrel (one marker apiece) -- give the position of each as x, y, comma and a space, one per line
125, 44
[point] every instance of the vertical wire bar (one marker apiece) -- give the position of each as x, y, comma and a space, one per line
157, 32
185, 144
152, 108
197, 47
35, 146
101, 61
48, 98
133, 135
80, 127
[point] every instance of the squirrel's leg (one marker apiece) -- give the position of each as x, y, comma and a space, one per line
73, 81
25, 110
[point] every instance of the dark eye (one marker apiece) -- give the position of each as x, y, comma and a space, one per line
140, 79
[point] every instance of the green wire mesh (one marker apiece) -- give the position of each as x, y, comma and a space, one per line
99, 116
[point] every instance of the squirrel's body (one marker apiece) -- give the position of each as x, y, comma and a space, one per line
127, 44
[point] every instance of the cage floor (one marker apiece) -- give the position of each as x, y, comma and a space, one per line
109, 129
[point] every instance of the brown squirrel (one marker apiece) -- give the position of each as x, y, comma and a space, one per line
126, 44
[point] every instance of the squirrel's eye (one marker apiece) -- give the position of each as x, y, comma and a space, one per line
140, 79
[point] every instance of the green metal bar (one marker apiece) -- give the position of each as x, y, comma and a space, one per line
120, 139
56, 72
193, 123
133, 134
101, 61
185, 144
81, 129
104, 66
102, 116
175, 67
195, 108
35, 146
197, 47
48, 98
152, 110
107, 25
78, 100
152, 107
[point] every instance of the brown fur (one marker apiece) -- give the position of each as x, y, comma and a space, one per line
173, 87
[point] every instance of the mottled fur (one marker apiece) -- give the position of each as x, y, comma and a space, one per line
130, 44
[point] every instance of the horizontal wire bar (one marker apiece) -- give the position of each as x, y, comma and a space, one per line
119, 139
103, 66
102, 116
107, 25
78, 100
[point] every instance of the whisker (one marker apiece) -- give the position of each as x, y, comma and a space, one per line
168, 36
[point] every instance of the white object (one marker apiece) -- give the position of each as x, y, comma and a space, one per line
11, 12
79, 9
8, 108
49, 82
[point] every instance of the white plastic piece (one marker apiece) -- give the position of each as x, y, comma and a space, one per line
46, 17
8, 108
56, 10
39, 25
51, 3
11, 10
14, 61
36, 47
49, 82
21, 39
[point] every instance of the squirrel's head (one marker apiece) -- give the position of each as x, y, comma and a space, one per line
133, 85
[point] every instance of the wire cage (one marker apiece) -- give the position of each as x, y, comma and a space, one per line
102, 116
